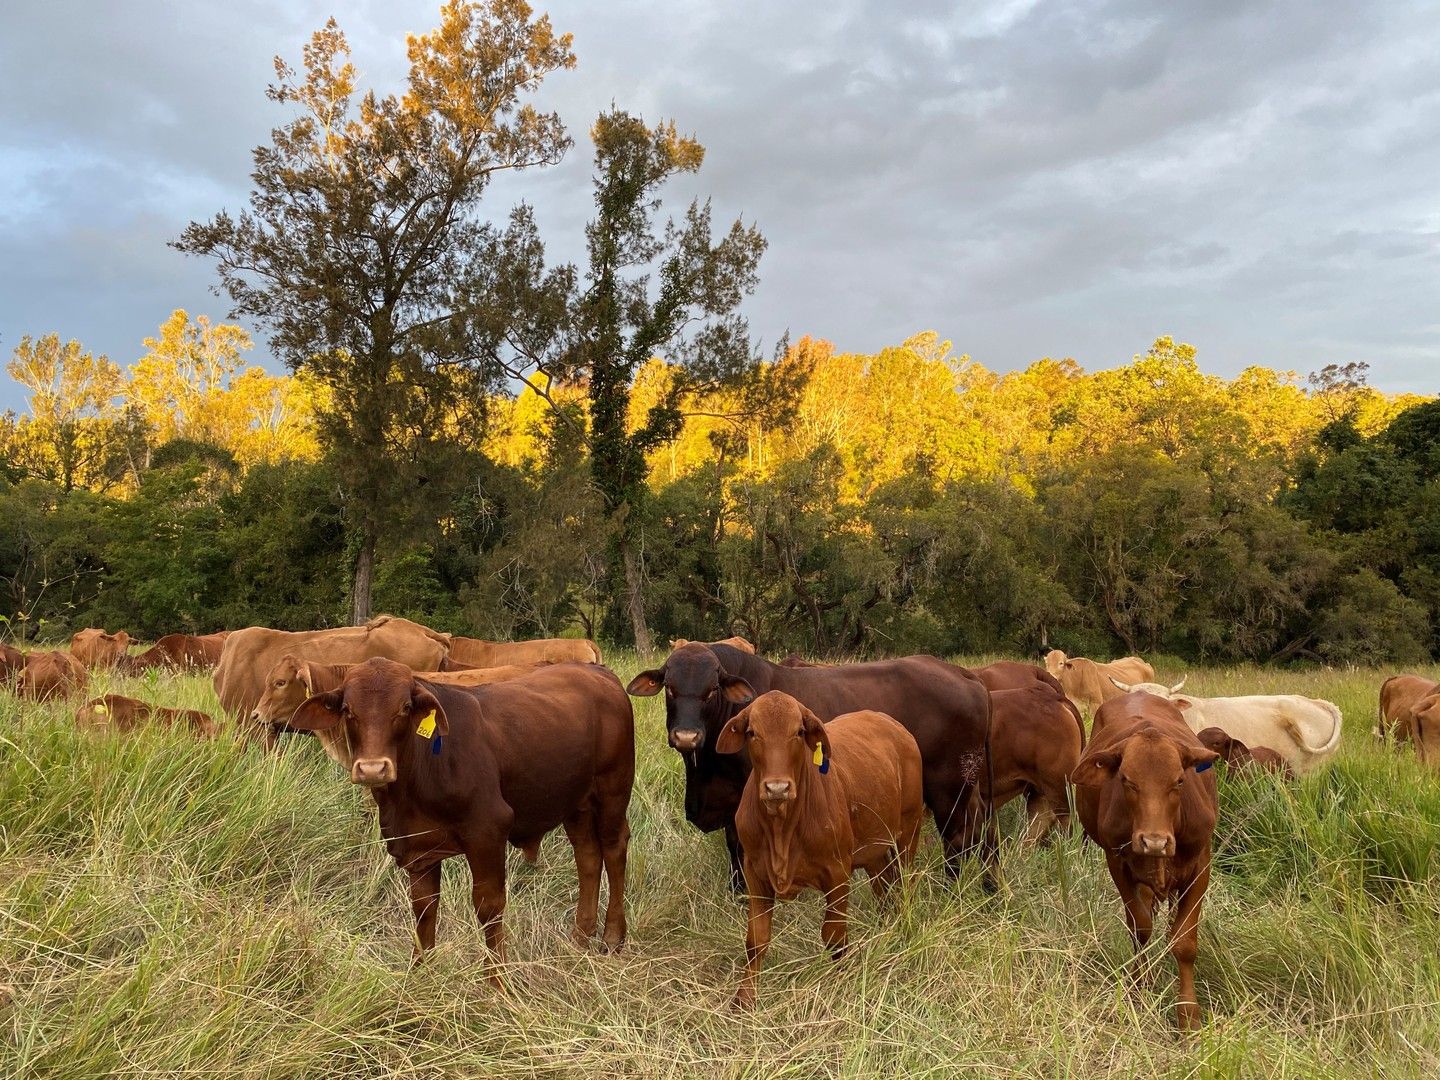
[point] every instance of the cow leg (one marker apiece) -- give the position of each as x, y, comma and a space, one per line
833, 931
1185, 946
580, 828
737, 855
487, 895
425, 903
1139, 909
757, 941
615, 850
884, 879
971, 826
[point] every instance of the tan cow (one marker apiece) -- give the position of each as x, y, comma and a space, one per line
52, 674
95, 648
1398, 695
1088, 682
250, 653
476, 652
734, 642
183, 652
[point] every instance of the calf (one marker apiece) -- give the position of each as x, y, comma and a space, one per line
1237, 755
458, 771
1398, 695
183, 652
52, 674
1145, 796
822, 801
1035, 742
116, 713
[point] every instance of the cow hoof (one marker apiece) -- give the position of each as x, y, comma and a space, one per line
743, 1001
1187, 1018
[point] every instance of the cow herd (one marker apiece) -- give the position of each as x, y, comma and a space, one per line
810, 771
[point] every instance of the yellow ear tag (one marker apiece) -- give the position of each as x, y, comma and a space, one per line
819, 757
427, 725
101, 709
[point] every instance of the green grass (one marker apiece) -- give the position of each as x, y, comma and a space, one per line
173, 908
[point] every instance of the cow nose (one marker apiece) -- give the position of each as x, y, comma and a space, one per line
1154, 843
777, 790
372, 772
687, 742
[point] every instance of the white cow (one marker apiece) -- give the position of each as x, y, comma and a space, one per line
1304, 731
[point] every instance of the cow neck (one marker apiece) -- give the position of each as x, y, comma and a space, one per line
812, 805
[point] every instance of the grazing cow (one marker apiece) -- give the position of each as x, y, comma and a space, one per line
95, 648
292, 680
457, 771
12, 661
1237, 755
1425, 716
248, 654
1145, 795
1035, 742
822, 801
122, 715
183, 652
52, 674
1304, 731
734, 642
945, 708
1088, 683
475, 652
1398, 694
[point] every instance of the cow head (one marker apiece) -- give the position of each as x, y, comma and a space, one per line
1151, 767
694, 685
1231, 750
385, 711
783, 738
1055, 661
287, 685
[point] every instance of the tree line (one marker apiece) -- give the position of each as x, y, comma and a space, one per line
472, 435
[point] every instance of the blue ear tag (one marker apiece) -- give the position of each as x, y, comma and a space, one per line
821, 760
435, 746
1203, 766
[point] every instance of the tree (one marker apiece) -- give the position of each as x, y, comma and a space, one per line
365, 254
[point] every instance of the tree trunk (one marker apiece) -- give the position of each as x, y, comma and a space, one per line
635, 597
364, 578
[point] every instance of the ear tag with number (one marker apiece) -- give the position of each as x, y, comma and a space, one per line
427, 725
820, 759
1203, 766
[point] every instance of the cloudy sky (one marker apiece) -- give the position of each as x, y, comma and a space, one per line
1030, 179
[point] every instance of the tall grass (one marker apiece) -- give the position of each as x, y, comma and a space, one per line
171, 907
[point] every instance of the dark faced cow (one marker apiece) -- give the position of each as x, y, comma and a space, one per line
946, 709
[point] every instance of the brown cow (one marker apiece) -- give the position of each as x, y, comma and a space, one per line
1146, 796
1398, 695
250, 653
1035, 743
12, 661
1425, 715
458, 771
476, 652
822, 801
122, 715
1237, 755
1087, 682
182, 652
52, 674
734, 642
292, 680
95, 648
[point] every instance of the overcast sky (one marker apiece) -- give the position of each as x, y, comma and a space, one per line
1030, 179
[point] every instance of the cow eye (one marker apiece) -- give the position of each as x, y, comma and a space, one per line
749, 734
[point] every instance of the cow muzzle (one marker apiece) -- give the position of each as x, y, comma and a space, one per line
687, 741
776, 795
372, 772
1154, 843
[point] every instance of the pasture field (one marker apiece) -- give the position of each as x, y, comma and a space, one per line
174, 908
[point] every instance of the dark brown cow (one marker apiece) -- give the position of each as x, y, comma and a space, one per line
1035, 743
461, 771
1237, 755
945, 708
122, 715
1146, 796
52, 674
822, 801
182, 652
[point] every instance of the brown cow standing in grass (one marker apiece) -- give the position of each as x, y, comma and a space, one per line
1425, 716
462, 771
1087, 682
1146, 796
48, 675
822, 801
1238, 756
12, 662
1035, 743
95, 648
122, 715
1398, 695
476, 652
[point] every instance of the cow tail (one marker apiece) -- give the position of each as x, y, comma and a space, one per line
1330, 743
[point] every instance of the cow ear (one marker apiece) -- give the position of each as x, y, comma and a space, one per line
1183, 703
1095, 769
318, 713
736, 690
305, 675
1198, 758
424, 704
815, 734
647, 683
732, 735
